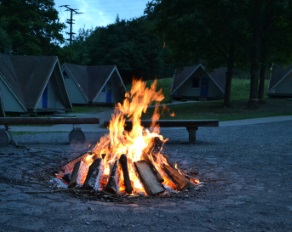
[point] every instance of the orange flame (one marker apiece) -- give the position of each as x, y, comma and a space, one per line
137, 144
132, 143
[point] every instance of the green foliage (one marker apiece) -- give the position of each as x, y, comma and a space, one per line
164, 84
77, 53
226, 33
31, 27
216, 109
131, 45
5, 43
210, 109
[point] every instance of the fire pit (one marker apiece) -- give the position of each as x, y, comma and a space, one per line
128, 162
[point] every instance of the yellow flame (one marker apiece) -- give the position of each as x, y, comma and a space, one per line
132, 143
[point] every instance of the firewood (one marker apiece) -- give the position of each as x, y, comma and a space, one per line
112, 185
154, 147
151, 165
127, 182
93, 177
78, 174
68, 167
178, 179
149, 181
157, 145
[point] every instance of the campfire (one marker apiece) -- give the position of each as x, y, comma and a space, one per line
129, 161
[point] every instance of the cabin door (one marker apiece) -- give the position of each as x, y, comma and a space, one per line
204, 88
45, 98
108, 92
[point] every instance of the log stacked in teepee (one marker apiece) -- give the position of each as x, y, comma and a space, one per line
152, 178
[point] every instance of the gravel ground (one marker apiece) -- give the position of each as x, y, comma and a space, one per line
246, 173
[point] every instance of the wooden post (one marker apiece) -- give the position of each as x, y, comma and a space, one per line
149, 181
192, 134
76, 135
5, 138
127, 182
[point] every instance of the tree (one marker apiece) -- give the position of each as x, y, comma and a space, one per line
207, 32
130, 45
77, 52
269, 40
218, 32
32, 26
5, 43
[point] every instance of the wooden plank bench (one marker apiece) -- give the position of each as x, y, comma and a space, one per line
191, 125
75, 135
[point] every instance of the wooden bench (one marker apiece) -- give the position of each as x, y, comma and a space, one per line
191, 125
75, 135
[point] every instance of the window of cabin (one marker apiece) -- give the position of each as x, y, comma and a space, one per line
195, 83
65, 75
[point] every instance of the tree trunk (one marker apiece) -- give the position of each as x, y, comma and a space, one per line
227, 95
263, 67
262, 82
255, 55
229, 73
253, 92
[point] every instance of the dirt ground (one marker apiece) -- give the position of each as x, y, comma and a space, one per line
246, 173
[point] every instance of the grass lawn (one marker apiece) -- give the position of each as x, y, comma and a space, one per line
213, 109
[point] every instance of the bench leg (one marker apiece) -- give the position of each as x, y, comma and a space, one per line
76, 136
192, 134
5, 138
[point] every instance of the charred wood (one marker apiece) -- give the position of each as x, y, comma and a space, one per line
113, 183
153, 168
78, 174
73, 177
178, 179
68, 167
94, 174
149, 181
127, 181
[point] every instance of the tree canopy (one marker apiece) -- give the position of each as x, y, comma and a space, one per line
225, 33
30, 26
173, 33
131, 45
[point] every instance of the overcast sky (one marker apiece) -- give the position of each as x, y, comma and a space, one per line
96, 13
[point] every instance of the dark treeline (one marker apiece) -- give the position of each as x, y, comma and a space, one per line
243, 34
131, 45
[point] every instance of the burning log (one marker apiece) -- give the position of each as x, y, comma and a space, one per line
127, 181
68, 167
94, 175
78, 174
149, 181
113, 183
157, 145
179, 180
149, 155
151, 165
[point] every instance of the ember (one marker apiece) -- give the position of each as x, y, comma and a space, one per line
129, 162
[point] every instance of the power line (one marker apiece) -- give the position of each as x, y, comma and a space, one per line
70, 21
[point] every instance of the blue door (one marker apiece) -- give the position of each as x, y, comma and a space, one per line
45, 98
108, 93
204, 88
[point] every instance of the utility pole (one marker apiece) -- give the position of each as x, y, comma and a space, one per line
70, 21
